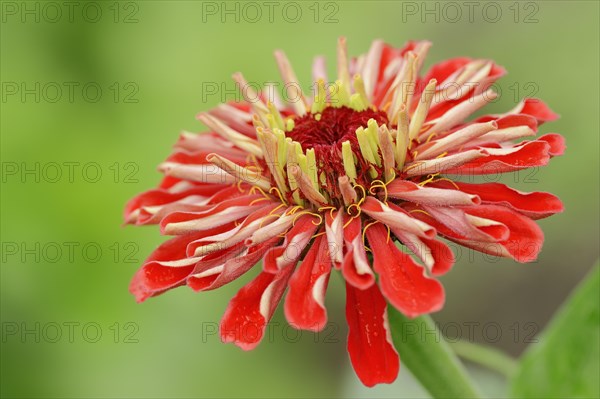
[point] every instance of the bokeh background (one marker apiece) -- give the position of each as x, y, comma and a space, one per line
66, 260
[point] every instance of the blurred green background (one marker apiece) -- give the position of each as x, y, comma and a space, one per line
151, 59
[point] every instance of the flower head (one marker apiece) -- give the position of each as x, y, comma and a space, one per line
361, 178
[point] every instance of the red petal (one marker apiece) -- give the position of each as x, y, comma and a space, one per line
213, 215
355, 267
304, 304
401, 280
296, 239
458, 223
153, 278
525, 155
334, 230
536, 205
389, 54
249, 311
557, 143
538, 109
159, 197
511, 120
444, 69
231, 268
525, 240
372, 354
442, 255
242, 231
436, 256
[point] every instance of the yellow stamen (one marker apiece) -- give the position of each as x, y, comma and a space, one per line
356, 102
420, 210
365, 230
331, 210
430, 178
365, 147
348, 159
276, 209
348, 211
379, 184
311, 167
294, 209
258, 200
320, 98
448, 180
318, 234
289, 124
432, 135
278, 120
309, 213
359, 88
278, 194
264, 218
363, 191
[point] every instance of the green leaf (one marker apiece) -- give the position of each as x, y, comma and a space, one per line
565, 362
428, 356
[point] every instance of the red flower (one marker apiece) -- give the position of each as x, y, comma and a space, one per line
334, 183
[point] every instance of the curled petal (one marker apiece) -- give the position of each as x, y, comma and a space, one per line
510, 121
208, 142
502, 160
396, 217
525, 240
370, 347
154, 200
461, 80
437, 257
215, 215
334, 229
536, 108
409, 191
556, 142
517, 236
356, 268
472, 228
211, 276
295, 241
454, 140
535, 205
270, 230
458, 113
442, 70
153, 278
205, 173
444, 164
192, 203
238, 117
236, 235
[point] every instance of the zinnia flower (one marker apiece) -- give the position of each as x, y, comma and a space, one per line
361, 179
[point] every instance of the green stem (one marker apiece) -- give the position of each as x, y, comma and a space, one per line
486, 356
428, 356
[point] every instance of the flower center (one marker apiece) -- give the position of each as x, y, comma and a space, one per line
330, 128
325, 133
